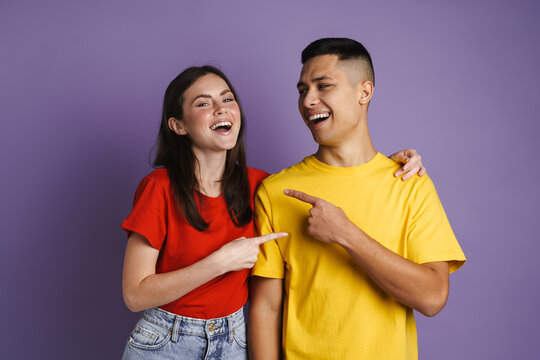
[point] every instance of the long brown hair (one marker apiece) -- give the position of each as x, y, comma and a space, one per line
176, 155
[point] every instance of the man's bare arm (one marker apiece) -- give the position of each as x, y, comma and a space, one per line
265, 318
423, 287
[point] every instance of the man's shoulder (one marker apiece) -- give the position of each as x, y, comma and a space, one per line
286, 175
386, 169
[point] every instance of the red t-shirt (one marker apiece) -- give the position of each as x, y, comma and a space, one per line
155, 216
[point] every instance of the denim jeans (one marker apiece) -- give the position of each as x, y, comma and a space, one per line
163, 335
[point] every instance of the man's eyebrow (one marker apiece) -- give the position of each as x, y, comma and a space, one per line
206, 96
324, 77
319, 78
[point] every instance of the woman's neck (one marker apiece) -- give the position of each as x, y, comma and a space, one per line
209, 171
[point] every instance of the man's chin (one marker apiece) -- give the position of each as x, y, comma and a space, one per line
321, 140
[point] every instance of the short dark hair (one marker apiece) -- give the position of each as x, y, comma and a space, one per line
344, 48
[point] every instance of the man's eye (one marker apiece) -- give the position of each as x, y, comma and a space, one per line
323, 86
228, 100
202, 104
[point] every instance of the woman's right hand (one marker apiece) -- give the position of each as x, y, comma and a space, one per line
242, 253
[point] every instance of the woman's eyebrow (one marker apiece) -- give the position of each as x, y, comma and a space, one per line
206, 96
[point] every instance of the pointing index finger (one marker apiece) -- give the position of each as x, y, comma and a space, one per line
269, 237
301, 196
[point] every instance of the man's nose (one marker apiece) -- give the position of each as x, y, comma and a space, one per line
310, 99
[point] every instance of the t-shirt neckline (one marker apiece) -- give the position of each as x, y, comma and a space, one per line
346, 170
209, 198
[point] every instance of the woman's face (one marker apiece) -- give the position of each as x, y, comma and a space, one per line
212, 116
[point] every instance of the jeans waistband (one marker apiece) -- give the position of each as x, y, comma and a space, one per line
191, 326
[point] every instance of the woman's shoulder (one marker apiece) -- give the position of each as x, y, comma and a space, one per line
159, 175
256, 175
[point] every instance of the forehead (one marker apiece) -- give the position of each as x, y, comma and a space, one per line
320, 66
207, 84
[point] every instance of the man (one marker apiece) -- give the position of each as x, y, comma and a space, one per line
364, 248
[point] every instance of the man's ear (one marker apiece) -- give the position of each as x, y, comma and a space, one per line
177, 126
365, 92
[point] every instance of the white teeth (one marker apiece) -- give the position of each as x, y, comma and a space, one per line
222, 123
318, 116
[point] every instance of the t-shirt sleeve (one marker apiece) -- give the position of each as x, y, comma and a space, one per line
270, 261
430, 237
149, 214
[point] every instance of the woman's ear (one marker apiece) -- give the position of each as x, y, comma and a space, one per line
177, 126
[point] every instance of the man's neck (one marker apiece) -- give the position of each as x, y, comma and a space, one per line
347, 154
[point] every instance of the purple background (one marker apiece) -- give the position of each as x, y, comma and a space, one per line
81, 91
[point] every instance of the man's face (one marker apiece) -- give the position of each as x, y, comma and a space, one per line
328, 102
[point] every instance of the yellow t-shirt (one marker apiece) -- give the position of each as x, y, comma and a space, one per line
332, 309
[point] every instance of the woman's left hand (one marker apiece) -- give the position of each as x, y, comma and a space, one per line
412, 163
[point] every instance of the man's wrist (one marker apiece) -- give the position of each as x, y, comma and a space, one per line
350, 235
